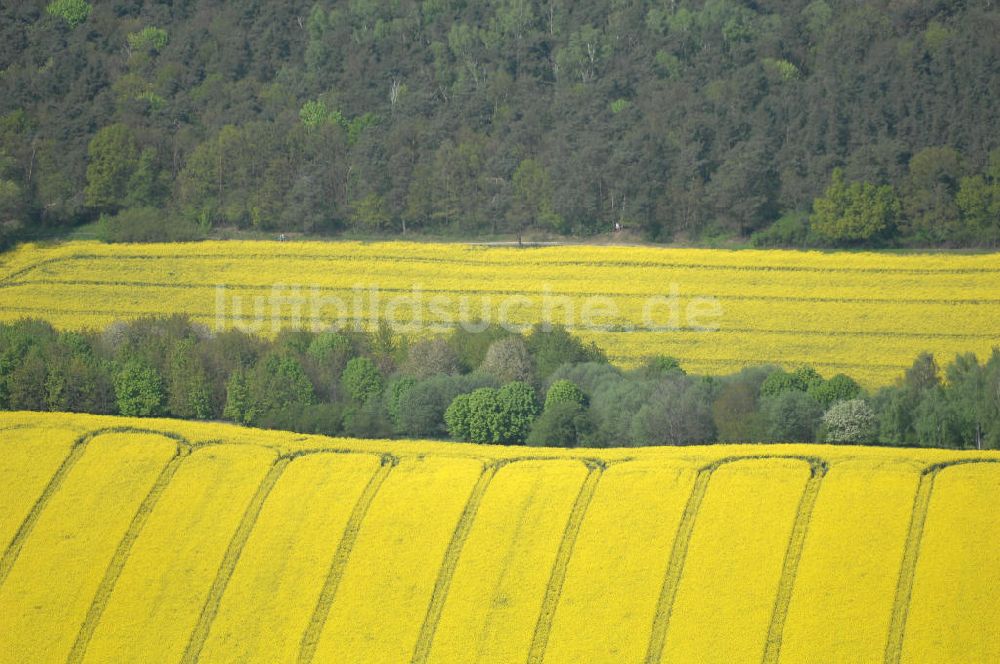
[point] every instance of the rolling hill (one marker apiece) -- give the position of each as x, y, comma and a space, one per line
141, 540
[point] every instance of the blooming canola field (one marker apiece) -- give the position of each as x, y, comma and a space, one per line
864, 314
160, 540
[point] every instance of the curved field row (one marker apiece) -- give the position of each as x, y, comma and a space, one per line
172, 541
717, 311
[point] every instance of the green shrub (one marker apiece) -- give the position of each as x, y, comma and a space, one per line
361, 379
394, 399
489, 415
147, 224
791, 417
139, 390
553, 346
563, 424
838, 388
791, 230
74, 12
471, 344
564, 391
422, 408
457, 417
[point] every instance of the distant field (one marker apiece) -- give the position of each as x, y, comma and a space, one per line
867, 315
159, 540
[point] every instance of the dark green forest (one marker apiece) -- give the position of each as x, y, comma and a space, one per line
543, 387
794, 123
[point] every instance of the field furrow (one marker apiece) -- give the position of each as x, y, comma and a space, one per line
49, 590
843, 597
390, 575
152, 540
497, 593
28, 462
608, 602
952, 614
289, 554
156, 603
732, 571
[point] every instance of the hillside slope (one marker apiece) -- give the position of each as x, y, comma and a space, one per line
133, 540
681, 119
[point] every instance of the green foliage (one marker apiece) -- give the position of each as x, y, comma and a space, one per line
422, 408
328, 347
394, 395
361, 379
139, 390
518, 408
77, 381
662, 365
978, 201
818, 15
705, 121
778, 382
325, 383
483, 415
735, 413
791, 230
149, 38
564, 391
188, 389
489, 415
619, 105
458, 417
552, 346
929, 204
935, 424
791, 417
838, 388
386, 346
147, 224
806, 378
314, 113
321, 418
678, 412
923, 374
239, 407
113, 158
11, 201
74, 12
802, 379
583, 56
28, 387
367, 420
472, 341
533, 196
614, 409
854, 213
786, 70
275, 383
369, 213
564, 424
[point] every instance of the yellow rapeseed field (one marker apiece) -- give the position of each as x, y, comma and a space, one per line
159, 540
865, 314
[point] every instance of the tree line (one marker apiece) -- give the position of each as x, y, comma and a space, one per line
802, 123
543, 387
